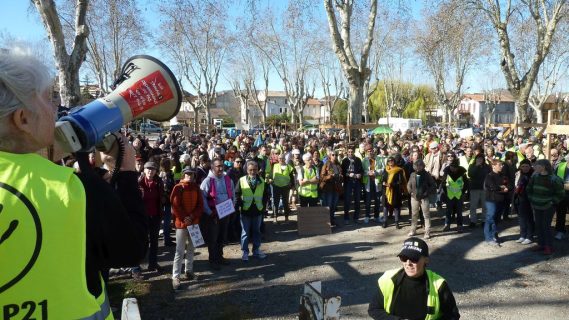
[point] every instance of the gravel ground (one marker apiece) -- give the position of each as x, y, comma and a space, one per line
508, 282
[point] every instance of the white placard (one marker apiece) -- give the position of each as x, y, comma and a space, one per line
196, 235
225, 208
465, 133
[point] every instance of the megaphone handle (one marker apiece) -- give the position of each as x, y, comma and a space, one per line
119, 159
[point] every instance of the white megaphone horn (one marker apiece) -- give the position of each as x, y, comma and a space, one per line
146, 88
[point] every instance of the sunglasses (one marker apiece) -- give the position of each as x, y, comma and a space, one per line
404, 259
239, 161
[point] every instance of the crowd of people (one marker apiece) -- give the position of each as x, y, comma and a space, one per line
77, 224
184, 178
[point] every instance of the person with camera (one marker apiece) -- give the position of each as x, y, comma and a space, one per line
59, 230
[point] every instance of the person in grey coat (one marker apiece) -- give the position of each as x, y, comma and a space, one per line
420, 185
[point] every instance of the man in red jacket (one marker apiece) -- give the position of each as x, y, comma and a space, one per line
187, 209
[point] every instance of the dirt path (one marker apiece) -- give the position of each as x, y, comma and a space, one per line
509, 282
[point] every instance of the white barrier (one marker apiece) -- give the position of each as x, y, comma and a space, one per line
130, 309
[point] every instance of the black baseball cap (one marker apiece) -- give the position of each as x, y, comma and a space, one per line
414, 248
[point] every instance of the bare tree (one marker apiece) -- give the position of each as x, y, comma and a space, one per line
67, 64
195, 39
330, 76
247, 65
290, 50
492, 98
356, 72
553, 69
117, 30
448, 45
546, 16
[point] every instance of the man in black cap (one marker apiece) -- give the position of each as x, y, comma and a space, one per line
412, 291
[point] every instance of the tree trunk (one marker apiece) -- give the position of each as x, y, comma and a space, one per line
67, 64
207, 116
243, 111
356, 101
263, 116
69, 88
196, 121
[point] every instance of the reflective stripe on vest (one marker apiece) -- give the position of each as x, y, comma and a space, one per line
281, 178
44, 206
308, 190
249, 196
561, 168
454, 188
387, 287
105, 306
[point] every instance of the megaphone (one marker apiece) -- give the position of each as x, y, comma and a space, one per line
146, 88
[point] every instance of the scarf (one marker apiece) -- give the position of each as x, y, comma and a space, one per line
389, 191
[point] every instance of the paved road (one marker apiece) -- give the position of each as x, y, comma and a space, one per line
510, 282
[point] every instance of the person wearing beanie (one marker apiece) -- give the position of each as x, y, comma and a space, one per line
454, 185
413, 291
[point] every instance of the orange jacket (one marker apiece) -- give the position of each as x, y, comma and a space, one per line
186, 199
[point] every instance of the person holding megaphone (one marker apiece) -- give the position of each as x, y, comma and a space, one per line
59, 230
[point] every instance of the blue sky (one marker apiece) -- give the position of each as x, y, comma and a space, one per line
18, 20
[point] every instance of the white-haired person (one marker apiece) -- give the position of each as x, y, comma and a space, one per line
59, 231
307, 177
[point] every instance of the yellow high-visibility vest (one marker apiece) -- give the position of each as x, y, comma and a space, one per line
43, 242
308, 190
281, 177
386, 286
454, 188
249, 196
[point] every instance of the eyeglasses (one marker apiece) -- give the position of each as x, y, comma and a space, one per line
404, 259
239, 161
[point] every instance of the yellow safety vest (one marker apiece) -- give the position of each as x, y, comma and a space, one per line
387, 286
281, 178
177, 175
561, 168
249, 196
454, 188
378, 166
308, 190
43, 243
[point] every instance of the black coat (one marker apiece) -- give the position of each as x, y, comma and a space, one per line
376, 309
116, 223
357, 168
